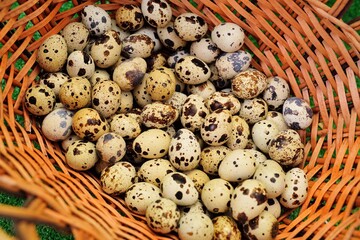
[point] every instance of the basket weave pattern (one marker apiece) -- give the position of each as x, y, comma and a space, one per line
303, 42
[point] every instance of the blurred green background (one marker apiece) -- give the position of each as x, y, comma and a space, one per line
48, 233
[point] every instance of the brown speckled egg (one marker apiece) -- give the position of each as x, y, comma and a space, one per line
129, 17
249, 84
56, 126
190, 26
141, 95
106, 49
159, 115
156, 60
89, 125
211, 157
106, 97
195, 226
225, 228
264, 226
138, 45
99, 74
223, 100
52, 53
230, 64
54, 81
125, 125
174, 57
216, 195
253, 110
192, 70
111, 147
278, 119
240, 133
193, 112
160, 83
96, 19
126, 102
68, 141
130, 73
81, 155
205, 89
116, 179
215, 78
75, 93
152, 143
229, 37
169, 38
40, 100
297, 113
216, 127
262, 133
177, 100
152, 33
205, 49
156, 13
122, 34
276, 92
296, 188
154, 170
76, 36
80, 64
199, 178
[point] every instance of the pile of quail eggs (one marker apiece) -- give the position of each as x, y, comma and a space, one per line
173, 119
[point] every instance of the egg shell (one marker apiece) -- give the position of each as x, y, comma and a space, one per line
253, 110
205, 89
248, 84
179, 188
240, 133
154, 170
193, 112
75, 93
106, 97
96, 19
264, 226
152, 33
278, 119
194, 226
54, 81
52, 53
184, 150
174, 57
140, 195
197, 207
192, 70
297, 113
68, 141
230, 64
216, 127
198, 177
159, 115
156, 60
160, 83
177, 100
250, 145
156, 13
225, 228
296, 188
80, 64
169, 38
141, 96
237, 165
248, 200
205, 49
76, 36
262, 133
152, 143
273, 206
130, 73
100, 166
190, 26
111, 147
276, 92
129, 17
126, 102
89, 125
106, 49
125, 125
223, 100
257, 155
99, 74
218, 82
229, 37
131, 156
81, 155
162, 215
211, 157
40, 100
56, 126
216, 195
117, 178
121, 33
137, 45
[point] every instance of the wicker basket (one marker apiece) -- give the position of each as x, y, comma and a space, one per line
301, 41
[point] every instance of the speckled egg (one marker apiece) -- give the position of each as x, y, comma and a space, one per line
81, 155
193, 112
129, 17
40, 100
140, 195
89, 125
239, 135
278, 119
237, 166
96, 19
126, 102
141, 96
297, 113
156, 60
154, 170
111, 147
160, 83
273, 206
177, 100
122, 34
262, 133
253, 110
68, 141
99, 74
211, 157
276, 92
130, 73
152, 33
192, 70
156, 13
195, 226
257, 155
205, 49
106, 97
125, 125
216, 195
175, 56
117, 178
80, 64
75, 93
272, 176
248, 84
184, 150
76, 36
230, 64
159, 115
52, 53
218, 82
225, 228
216, 127
190, 26
162, 215
205, 89
152, 143
229, 37
264, 226
138, 45
169, 38
106, 49
286, 148
223, 100
296, 188
197, 207
198, 177
248, 200
56, 126
54, 81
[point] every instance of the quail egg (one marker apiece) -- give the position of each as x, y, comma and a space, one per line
96, 19
81, 155
229, 37
40, 100
52, 53
56, 126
